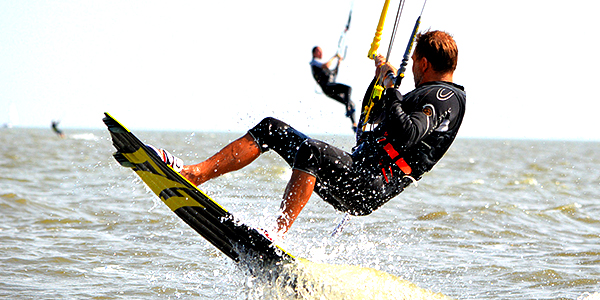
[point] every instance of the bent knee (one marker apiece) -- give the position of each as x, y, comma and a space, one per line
271, 123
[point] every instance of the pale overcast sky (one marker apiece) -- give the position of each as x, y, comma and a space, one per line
529, 67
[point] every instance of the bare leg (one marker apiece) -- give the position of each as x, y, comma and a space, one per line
234, 156
297, 193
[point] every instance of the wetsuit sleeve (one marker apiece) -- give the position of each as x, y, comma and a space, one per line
412, 127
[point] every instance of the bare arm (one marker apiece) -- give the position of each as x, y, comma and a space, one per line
330, 61
383, 67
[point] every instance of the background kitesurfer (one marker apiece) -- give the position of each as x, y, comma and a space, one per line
411, 135
56, 130
326, 78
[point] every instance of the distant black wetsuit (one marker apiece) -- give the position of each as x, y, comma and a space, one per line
412, 135
337, 91
55, 128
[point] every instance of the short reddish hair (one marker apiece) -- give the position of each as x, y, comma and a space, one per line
439, 48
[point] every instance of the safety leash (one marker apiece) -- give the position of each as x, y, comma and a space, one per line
340, 226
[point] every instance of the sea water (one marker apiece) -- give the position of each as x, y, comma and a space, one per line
495, 219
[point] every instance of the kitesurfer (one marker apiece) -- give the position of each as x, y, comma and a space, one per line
325, 77
56, 130
411, 134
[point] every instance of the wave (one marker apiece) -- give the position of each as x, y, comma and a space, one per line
84, 136
304, 279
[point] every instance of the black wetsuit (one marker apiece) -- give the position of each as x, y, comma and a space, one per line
55, 128
412, 135
337, 91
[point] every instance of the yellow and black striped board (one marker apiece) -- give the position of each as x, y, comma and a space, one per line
193, 206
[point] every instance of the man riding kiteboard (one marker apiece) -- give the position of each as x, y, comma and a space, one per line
411, 134
325, 77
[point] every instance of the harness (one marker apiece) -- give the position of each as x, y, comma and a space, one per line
395, 159
399, 161
322, 76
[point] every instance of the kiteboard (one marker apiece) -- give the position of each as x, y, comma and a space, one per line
228, 234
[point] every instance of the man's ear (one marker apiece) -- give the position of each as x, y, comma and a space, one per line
424, 64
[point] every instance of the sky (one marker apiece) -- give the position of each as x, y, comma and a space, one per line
224, 65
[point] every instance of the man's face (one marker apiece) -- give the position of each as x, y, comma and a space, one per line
417, 70
318, 53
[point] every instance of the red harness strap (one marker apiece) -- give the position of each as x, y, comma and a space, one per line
400, 162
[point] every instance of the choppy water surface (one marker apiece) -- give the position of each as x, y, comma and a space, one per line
494, 220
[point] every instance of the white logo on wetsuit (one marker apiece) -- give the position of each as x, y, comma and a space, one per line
443, 126
443, 94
